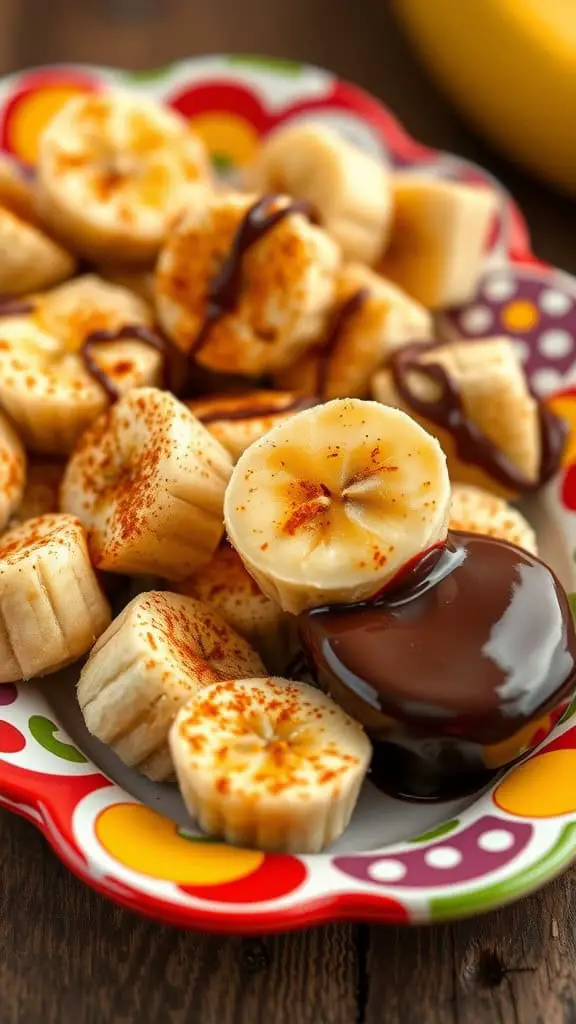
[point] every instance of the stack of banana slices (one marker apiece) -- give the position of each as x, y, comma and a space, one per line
210, 403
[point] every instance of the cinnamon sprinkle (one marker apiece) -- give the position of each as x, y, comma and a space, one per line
224, 288
130, 332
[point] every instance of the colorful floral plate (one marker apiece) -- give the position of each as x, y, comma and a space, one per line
132, 839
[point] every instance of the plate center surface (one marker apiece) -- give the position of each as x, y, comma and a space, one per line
378, 821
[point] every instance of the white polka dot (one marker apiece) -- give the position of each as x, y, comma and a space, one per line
477, 319
496, 841
522, 349
443, 857
554, 303
546, 380
387, 870
555, 344
499, 288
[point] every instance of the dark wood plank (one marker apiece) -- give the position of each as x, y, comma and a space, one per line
512, 967
515, 966
75, 956
10, 35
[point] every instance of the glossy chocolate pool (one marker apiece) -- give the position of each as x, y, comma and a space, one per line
454, 672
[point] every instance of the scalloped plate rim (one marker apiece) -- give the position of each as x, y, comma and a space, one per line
25, 801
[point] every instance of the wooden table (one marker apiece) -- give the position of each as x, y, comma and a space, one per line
68, 954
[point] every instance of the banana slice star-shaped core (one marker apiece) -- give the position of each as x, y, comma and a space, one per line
114, 170
269, 762
329, 506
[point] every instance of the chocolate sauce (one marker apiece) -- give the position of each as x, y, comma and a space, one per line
224, 288
12, 306
340, 318
249, 412
130, 332
422, 571
472, 445
454, 671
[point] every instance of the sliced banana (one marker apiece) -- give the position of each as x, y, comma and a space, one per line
349, 189
154, 657
278, 288
18, 194
45, 385
114, 170
148, 482
141, 282
226, 586
51, 606
12, 471
30, 259
42, 491
438, 238
474, 510
17, 190
269, 763
495, 397
328, 507
371, 318
236, 420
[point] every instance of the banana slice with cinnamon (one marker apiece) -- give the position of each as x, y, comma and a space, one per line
237, 420
51, 606
147, 480
30, 258
474, 510
328, 507
114, 170
154, 657
348, 188
12, 470
473, 396
370, 319
269, 762
66, 353
244, 285
17, 191
225, 585
438, 238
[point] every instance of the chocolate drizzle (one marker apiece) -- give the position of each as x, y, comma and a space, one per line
473, 446
129, 332
455, 671
224, 288
340, 318
249, 412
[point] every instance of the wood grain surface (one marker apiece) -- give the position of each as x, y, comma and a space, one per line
66, 954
